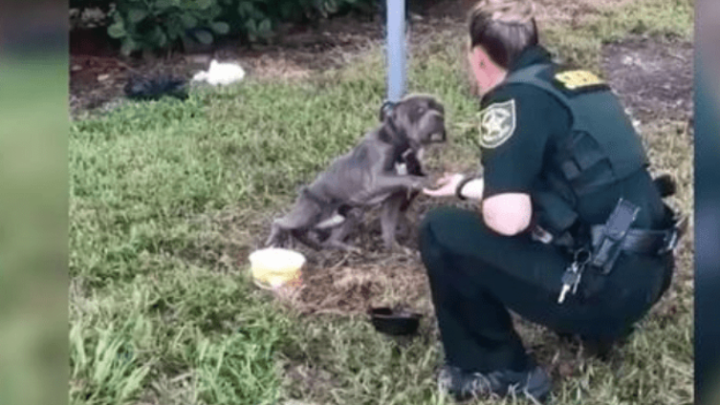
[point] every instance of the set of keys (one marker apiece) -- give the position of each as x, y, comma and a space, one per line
572, 276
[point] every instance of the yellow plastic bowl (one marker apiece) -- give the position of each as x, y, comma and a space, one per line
272, 268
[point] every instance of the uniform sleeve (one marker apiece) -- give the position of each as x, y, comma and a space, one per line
516, 126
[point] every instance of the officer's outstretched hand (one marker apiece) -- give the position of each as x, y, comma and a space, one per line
447, 185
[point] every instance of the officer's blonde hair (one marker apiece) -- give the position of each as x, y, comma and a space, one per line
504, 28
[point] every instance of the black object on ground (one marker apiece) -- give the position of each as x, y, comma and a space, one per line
665, 185
140, 88
394, 322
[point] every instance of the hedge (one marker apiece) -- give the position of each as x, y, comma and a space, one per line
162, 24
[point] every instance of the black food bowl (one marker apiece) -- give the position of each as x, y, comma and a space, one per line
394, 322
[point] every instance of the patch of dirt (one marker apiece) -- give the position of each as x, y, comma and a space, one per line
334, 282
356, 283
98, 74
347, 283
653, 77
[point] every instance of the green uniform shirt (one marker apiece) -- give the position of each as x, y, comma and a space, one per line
526, 123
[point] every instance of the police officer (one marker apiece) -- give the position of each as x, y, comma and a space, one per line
573, 233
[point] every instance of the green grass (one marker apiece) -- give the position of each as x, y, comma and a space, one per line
167, 197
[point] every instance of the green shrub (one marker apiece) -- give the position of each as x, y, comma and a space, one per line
158, 24
163, 24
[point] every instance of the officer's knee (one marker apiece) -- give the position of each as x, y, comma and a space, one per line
431, 252
430, 229
434, 218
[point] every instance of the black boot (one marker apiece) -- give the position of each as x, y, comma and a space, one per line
534, 383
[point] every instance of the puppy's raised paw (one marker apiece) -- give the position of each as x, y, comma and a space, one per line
421, 183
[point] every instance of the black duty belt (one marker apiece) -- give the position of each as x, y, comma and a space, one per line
609, 240
644, 241
616, 235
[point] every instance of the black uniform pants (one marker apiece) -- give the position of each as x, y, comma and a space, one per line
476, 275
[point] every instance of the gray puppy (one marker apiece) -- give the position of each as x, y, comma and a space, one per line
384, 168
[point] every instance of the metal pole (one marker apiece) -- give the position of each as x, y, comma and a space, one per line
396, 49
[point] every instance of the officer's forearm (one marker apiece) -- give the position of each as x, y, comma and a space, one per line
473, 190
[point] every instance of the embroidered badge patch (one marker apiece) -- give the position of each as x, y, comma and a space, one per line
575, 79
497, 124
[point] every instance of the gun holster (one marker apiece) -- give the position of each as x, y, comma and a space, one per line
608, 244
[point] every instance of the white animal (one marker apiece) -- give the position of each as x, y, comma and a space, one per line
220, 74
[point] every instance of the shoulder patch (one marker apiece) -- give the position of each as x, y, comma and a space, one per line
497, 124
575, 79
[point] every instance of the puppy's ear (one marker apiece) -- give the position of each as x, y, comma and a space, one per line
386, 110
